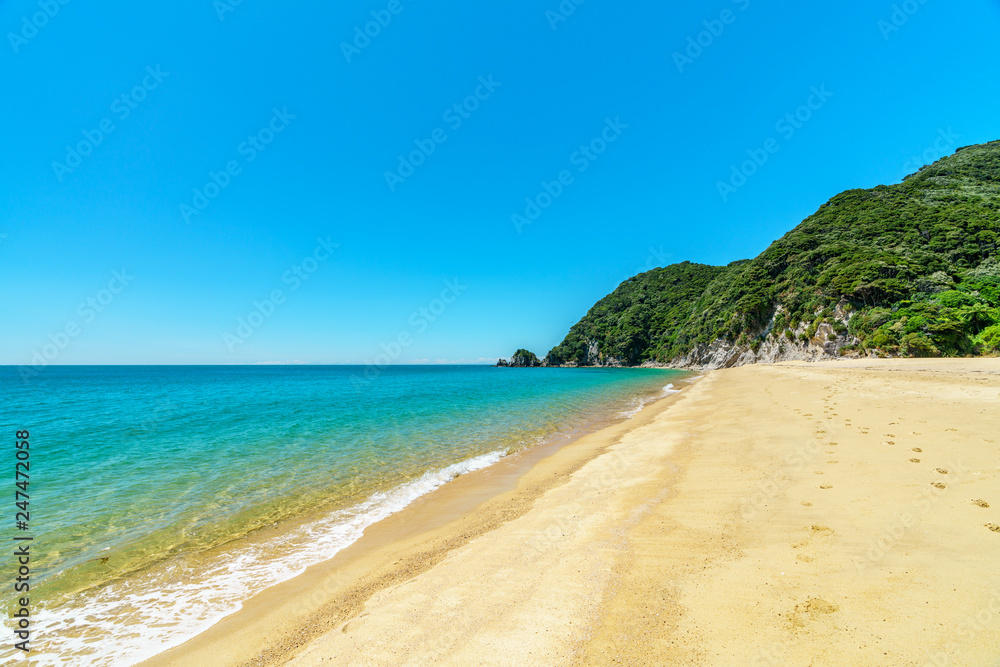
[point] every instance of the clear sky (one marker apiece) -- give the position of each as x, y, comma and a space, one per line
290, 122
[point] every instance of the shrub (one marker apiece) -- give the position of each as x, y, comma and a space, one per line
991, 338
883, 338
918, 345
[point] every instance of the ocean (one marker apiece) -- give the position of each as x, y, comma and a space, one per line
161, 497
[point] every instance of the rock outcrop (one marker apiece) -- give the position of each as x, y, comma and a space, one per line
521, 359
803, 344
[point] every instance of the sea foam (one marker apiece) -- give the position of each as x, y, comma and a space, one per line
639, 403
133, 620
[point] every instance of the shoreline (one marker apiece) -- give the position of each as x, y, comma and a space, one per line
463, 505
799, 513
281, 493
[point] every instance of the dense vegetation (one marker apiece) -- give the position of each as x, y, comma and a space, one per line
909, 269
641, 318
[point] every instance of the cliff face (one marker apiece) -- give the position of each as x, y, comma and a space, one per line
799, 344
592, 356
910, 269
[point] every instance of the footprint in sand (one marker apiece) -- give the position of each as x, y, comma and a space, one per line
811, 610
980, 502
916, 449
807, 504
889, 435
889, 442
951, 429
817, 472
941, 470
914, 460
915, 433
813, 532
992, 526
833, 461
938, 485
826, 486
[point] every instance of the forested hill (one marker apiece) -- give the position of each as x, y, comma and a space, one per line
908, 269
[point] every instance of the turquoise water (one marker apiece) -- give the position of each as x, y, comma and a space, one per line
156, 491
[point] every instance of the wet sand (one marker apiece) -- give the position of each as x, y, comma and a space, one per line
838, 513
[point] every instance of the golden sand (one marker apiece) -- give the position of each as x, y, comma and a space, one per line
842, 513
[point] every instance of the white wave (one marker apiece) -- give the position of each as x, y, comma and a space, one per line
638, 403
131, 621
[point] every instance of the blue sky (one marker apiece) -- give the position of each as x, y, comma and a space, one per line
292, 133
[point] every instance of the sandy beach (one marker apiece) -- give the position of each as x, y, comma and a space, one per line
836, 513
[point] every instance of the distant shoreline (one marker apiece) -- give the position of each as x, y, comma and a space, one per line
756, 512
